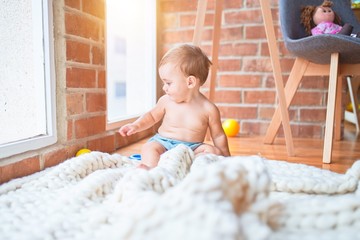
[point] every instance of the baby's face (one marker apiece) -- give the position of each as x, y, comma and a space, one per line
174, 82
323, 14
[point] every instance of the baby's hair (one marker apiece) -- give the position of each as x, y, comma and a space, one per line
191, 60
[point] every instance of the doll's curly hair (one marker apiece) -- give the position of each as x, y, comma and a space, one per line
307, 14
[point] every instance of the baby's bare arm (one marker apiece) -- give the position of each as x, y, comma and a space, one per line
145, 121
217, 132
221, 143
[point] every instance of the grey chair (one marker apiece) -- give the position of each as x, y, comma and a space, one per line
318, 49
336, 56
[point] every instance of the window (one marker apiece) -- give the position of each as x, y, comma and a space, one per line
27, 82
130, 58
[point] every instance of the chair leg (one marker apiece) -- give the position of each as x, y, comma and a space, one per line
279, 84
330, 113
215, 47
292, 85
354, 101
338, 109
199, 21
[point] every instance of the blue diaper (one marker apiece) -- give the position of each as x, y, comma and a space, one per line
169, 143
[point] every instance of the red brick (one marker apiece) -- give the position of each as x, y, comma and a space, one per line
308, 99
74, 103
259, 96
255, 128
101, 79
227, 97
286, 64
243, 81
80, 78
188, 20
252, 3
232, 33
178, 36
228, 4
89, 126
255, 32
243, 17
70, 129
183, 20
207, 50
266, 113
171, 20
310, 131
98, 55
240, 112
207, 35
104, 144
82, 26
264, 49
313, 115
77, 52
313, 82
283, 50
94, 7
19, 169
178, 6
238, 49
257, 65
270, 81
55, 157
73, 149
304, 131
73, 3
95, 102
229, 65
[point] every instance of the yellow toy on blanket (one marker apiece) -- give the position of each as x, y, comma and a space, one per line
82, 151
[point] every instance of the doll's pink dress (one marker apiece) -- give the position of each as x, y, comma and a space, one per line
326, 27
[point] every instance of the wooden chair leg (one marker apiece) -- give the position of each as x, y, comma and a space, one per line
330, 113
215, 48
279, 84
199, 21
292, 85
199, 25
353, 86
338, 109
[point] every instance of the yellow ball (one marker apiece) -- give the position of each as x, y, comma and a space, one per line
349, 107
82, 151
231, 127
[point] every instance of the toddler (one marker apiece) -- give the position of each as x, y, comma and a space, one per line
185, 112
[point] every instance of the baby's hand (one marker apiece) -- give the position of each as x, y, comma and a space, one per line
127, 130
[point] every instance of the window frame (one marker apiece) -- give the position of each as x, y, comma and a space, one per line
43, 11
112, 125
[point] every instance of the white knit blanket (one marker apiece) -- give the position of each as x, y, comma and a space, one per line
102, 196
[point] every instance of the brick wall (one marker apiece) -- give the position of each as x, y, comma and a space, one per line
81, 91
244, 85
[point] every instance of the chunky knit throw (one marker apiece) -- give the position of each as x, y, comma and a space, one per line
102, 196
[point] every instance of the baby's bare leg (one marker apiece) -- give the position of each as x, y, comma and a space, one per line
206, 148
150, 154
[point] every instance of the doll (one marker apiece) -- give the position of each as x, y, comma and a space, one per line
322, 19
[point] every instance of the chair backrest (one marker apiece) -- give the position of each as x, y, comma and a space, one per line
290, 11
318, 48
